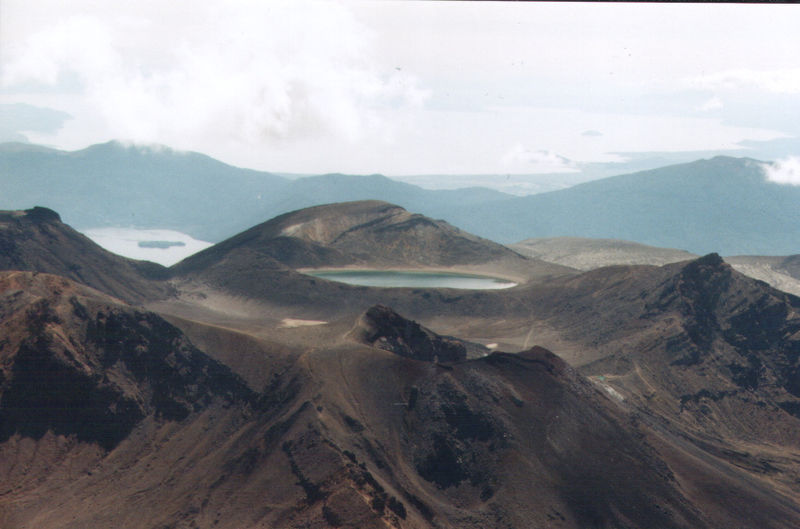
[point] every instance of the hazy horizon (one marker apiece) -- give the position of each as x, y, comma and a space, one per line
408, 88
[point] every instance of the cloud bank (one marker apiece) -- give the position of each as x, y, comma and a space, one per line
270, 74
714, 103
777, 81
538, 161
402, 87
785, 171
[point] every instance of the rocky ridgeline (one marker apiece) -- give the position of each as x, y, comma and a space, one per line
383, 328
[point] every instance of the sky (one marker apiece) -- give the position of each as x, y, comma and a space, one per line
559, 90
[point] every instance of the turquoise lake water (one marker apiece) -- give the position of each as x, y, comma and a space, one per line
393, 278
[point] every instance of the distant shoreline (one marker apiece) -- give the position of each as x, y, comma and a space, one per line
455, 272
483, 281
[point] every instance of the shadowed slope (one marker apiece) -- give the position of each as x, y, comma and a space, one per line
37, 240
518, 441
383, 328
76, 362
343, 435
712, 352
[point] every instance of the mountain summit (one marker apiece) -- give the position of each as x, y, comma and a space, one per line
263, 261
722, 205
368, 233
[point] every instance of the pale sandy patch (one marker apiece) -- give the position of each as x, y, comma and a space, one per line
294, 322
766, 273
491, 346
614, 393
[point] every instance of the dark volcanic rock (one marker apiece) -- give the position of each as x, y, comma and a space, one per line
40, 214
347, 436
77, 363
525, 430
343, 436
697, 343
753, 327
381, 327
45, 393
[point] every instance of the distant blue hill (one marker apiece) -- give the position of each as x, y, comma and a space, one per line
722, 205
113, 184
719, 205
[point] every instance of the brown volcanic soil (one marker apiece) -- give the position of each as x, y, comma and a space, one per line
588, 254
697, 319
706, 353
370, 234
37, 240
261, 265
690, 418
710, 351
781, 272
344, 435
366, 232
695, 346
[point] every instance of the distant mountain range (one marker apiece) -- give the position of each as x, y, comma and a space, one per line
113, 184
723, 205
116, 185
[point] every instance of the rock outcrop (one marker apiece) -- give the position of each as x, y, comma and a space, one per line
76, 362
383, 328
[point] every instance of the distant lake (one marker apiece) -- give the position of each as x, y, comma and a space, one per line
395, 278
165, 247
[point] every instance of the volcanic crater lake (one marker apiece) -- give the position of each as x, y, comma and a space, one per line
412, 278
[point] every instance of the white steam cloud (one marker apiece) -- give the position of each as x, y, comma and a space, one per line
785, 171
715, 103
270, 73
538, 161
781, 81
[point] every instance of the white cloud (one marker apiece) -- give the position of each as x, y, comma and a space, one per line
778, 81
538, 161
336, 86
714, 103
785, 171
77, 44
263, 75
